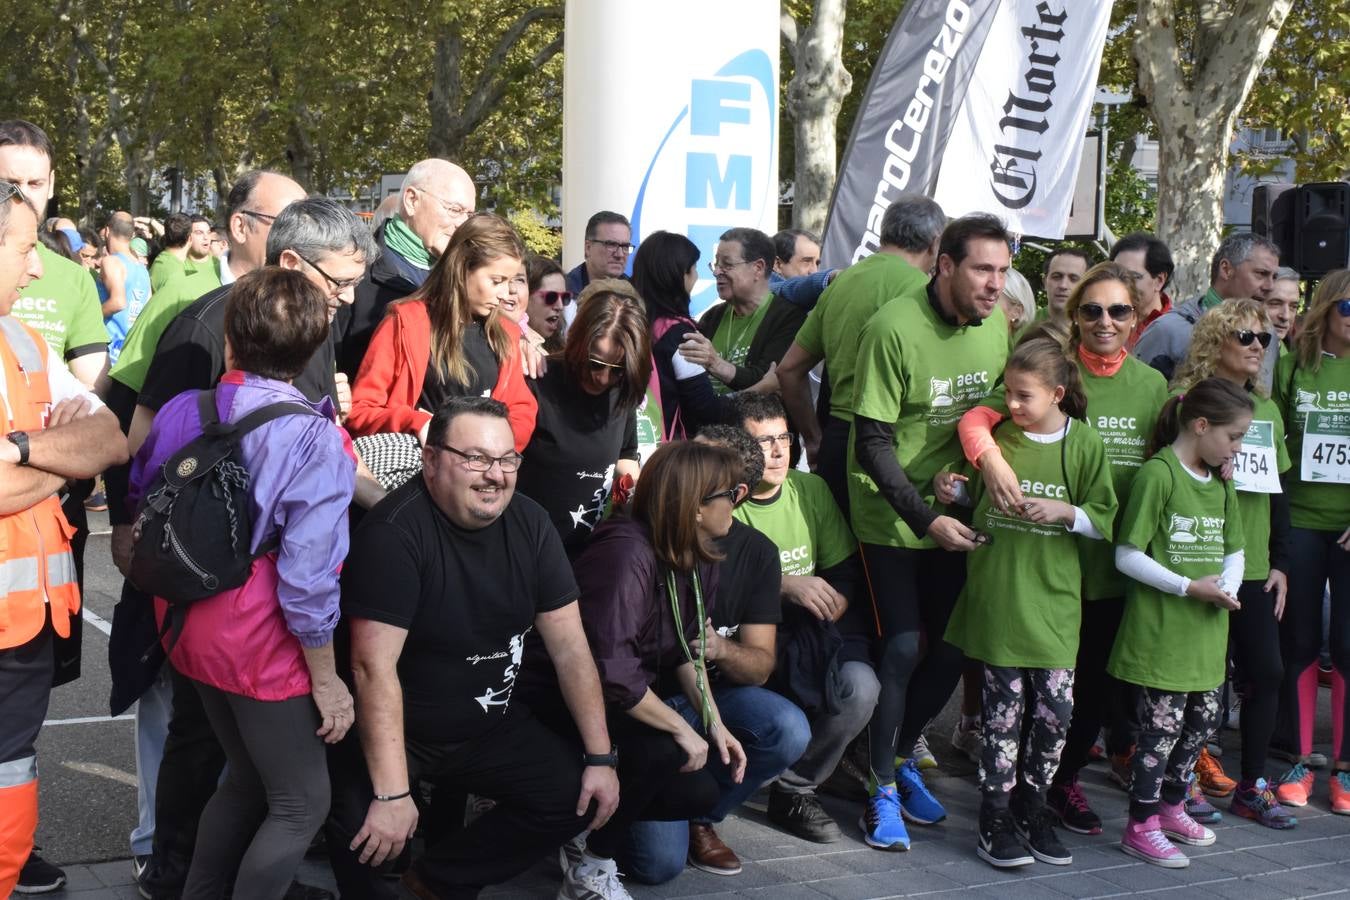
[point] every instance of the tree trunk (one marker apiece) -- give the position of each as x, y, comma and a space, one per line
814, 96
447, 134
1195, 112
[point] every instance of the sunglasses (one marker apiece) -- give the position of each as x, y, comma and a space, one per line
551, 297
599, 366
1343, 307
730, 493
1119, 312
1246, 336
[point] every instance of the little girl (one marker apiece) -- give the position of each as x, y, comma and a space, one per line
1019, 612
1180, 540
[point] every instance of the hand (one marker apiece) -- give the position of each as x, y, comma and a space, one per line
711, 643
811, 447
335, 708
697, 349
1344, 539
1000, 481
1280, 585
944, 486
951, 534
123, 539
815, 595
729, 750
694, 747
1047, 512
766, 385
344, 396
601, 784
388, 826
1207, 590
69, 410
423, 431
532, 360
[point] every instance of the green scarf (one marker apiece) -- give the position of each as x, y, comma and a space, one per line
401, 239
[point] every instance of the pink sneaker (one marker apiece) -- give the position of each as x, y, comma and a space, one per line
1177, 824
1145, 840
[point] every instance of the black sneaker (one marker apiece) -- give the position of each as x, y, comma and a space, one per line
998, 844
1069, 803
39, 876
1036, 827
802, 815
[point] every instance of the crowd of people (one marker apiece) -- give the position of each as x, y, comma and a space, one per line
489, 561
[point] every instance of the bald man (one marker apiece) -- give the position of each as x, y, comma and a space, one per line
436, 197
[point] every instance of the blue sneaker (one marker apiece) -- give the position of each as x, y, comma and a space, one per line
916, 803
881, 824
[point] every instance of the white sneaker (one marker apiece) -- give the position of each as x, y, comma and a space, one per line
593, 881
569, 854
967, 741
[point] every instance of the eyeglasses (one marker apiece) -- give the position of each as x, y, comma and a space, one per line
599, 365
722, 265
732, 494
8, 191
338, 286
614, 248
477, 462
766, 441
456, 211
1246, 336
548, 298
1343, 307
263, 217
1091, 312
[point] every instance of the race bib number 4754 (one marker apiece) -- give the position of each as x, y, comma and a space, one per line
1326, 448
1254, 465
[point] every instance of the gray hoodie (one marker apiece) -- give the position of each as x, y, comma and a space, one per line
1163, 346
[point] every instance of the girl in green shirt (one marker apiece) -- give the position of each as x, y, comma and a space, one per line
1019, 610
1312, 391
1180, 540
1230, 342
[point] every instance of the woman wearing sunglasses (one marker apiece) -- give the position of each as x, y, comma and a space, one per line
585, 435
1230, 342
1312, 391
549, 298
1124, 397
449, 339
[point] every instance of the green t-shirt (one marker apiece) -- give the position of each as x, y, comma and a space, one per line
163, 270
1021, 605
831, 329
1168, 642
923, 374
1123, 408
734, 334
1317, 506
804, 523
1253, 507
63, 306
177, 295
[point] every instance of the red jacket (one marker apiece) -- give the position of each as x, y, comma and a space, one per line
389, 382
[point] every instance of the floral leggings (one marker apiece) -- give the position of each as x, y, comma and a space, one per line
1172, 732
1009, 694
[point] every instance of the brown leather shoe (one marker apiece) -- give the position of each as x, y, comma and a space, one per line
417, 887
707, 852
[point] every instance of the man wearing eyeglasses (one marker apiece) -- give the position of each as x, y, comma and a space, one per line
434, 200
609, 243
444, 584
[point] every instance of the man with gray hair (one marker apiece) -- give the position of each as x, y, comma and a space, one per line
435, 199
1243, 267
1282, 304
910, 230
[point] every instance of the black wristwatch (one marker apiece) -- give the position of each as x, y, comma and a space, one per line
610, 759
19, 439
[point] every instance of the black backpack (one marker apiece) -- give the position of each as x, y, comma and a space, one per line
194, 529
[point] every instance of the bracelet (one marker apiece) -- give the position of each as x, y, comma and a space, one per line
387, 797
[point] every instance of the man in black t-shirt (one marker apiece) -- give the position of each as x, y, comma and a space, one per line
740, 641
445, 579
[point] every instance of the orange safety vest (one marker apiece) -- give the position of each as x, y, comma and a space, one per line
37, 567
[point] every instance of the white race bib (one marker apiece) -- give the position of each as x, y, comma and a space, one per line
1326, 447
1254, 466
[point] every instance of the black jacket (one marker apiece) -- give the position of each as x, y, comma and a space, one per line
390, 277
770, 343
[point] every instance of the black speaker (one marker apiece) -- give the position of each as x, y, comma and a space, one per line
1273, 216
1322, 228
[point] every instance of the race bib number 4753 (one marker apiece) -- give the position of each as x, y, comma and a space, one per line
1326, 447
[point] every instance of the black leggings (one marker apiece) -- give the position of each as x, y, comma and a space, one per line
832, 459
913, 593
1254, 636
1100, 700
1314, 559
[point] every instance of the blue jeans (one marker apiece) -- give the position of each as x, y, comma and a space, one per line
152, 727
774, 733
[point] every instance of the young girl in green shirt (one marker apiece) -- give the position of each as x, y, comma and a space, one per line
1020, 608
1180, 539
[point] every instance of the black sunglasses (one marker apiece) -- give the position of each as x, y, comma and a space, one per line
551, 297
1091, 312
730, 493
599, 365
1246, 336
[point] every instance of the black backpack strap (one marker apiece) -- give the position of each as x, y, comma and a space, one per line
206, 409
265, 414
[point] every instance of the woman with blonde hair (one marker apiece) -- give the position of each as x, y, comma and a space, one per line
1229, 342
449, 339
1312, 391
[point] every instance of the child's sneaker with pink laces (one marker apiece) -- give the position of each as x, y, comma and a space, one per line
1177, 824
1145, 840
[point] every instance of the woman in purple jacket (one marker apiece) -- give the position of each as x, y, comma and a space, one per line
261, 655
